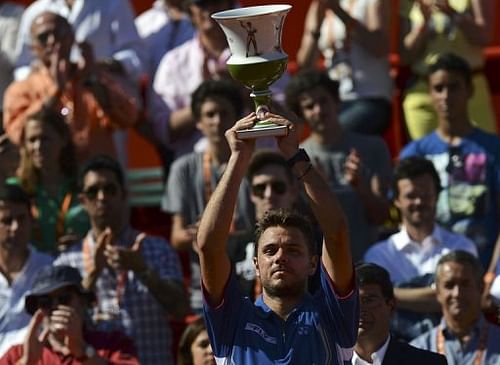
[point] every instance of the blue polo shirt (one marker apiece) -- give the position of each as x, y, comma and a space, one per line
322, 329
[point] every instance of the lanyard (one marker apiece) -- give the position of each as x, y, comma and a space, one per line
121, 275
481, 347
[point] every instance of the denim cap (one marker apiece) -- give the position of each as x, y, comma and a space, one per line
51, 278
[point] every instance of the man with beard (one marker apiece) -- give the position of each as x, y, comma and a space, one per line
272, 187
464, 335
410, 255
286, 324
377, 304
357, 167
137, 278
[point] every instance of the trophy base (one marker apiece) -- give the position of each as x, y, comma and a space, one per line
266, 130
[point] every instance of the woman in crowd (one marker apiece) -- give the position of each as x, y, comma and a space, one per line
48, 173
194, 346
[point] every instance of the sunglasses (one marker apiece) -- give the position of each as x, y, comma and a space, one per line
43, 37
277, 187
48, 302
109, 189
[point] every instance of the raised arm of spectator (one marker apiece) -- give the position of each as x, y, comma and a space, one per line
308, 52
420, 300
119, 101
373, 34
183, 235
336, 253
213, 231
127, 47
478, 24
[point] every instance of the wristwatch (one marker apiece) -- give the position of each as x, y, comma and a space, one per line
88, 353
300, 155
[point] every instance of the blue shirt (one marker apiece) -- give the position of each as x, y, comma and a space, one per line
470, 176
322, 329
456, 354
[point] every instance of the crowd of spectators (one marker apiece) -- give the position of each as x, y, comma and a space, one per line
314, 247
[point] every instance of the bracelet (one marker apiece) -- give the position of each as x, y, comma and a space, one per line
309, 168
300, 155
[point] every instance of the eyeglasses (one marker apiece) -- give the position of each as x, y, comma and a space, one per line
277, 187
109, 189
48, 302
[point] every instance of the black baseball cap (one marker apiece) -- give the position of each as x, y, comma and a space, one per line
51, 278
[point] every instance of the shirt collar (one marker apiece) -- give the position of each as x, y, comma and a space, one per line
475, 329
402, 240
265, 311
377, 356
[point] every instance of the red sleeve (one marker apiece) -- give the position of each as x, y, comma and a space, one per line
12, 356
115, 347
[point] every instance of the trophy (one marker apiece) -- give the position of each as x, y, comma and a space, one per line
257, 59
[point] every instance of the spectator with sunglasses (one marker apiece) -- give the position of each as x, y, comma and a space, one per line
466, 158
19, 263
60, 331
92, 102
272, 187
137, 278
357, 167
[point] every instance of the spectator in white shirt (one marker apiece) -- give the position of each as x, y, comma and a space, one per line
417, 247
411, 255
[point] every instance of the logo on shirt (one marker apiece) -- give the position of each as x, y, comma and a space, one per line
254, 328
303, 330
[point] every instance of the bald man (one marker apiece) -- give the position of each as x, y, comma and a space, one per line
92, 102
